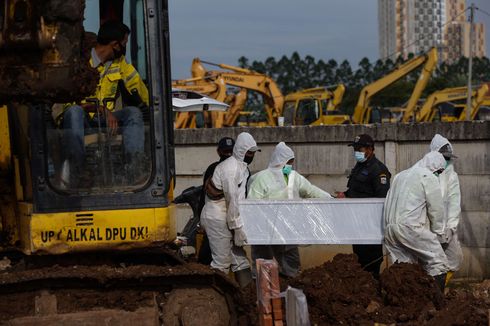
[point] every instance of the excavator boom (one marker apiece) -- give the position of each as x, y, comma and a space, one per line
361, 111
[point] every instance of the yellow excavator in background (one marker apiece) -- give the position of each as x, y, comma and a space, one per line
245, 79
91, 251
362, 111
315, 106
430, 112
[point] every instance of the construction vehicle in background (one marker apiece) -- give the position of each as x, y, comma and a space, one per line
362, 111
91, 252
315, 106
245, 79
430, 110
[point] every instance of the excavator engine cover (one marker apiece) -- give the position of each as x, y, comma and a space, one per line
44, 54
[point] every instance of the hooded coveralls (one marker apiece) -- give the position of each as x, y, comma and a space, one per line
451, 195
414, 216
220, 217
273, 184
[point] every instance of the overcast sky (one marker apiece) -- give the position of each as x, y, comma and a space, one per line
221, 31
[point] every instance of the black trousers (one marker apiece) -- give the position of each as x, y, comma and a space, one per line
367, 254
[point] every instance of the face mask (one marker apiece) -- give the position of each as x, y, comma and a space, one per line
359, 156
287, 169
119, 53
248, 159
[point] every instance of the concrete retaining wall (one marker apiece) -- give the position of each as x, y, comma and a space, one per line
323, 157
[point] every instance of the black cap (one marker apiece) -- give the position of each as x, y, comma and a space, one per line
226, 143
362, 141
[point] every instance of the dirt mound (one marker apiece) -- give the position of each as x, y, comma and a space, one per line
339, 292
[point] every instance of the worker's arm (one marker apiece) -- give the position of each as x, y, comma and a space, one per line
453, 200
134, 84
228, 179
435, 204
258, 188
381, 183
307, 190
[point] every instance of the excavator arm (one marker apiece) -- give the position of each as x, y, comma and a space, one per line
247, 79
361, 111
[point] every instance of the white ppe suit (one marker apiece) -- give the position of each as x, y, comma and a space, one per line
273, 184
414, 216
221, 218
451, 195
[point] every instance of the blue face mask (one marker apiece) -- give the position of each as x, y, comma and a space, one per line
287, 169
359, 156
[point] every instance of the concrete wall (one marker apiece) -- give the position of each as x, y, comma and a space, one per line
323, 157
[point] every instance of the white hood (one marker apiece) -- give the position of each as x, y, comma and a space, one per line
433, 161
281, 155
439, 141
244, 143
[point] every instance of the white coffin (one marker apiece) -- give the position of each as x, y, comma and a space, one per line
313, 221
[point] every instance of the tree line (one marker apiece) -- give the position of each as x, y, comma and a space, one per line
295, 73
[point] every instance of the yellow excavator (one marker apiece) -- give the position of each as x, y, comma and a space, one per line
92, 252
430, 112
362, 111
315, 106
245, 79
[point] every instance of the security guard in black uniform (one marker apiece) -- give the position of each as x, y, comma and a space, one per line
368, 178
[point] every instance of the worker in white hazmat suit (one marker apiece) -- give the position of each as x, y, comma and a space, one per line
220, 216
280, 181
451, 195
414, 217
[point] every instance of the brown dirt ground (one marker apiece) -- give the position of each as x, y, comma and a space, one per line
341, 293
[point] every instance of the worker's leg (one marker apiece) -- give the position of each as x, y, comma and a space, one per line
423, 244
370, 257
220, 242
130, 119
74, 123
454, 253
397, 252
288, 259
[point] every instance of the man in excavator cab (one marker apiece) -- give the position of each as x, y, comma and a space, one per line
118, 105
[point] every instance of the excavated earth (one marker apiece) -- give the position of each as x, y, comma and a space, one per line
340, 292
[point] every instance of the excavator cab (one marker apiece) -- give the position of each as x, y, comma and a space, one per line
101, 197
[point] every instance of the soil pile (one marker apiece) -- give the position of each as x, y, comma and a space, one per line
339, 292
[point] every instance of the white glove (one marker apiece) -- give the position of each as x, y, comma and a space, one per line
449, 233
442, 238
239, 238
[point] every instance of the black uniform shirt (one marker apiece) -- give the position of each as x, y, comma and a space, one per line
368, 179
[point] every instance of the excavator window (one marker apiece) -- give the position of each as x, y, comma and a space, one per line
87, 151
308, 112
289, 112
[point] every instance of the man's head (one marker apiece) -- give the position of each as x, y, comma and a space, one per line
245, 148
225, 147
113, 37
363, 147
434, 161
443, 146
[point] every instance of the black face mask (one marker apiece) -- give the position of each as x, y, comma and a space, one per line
119, 53
248, 159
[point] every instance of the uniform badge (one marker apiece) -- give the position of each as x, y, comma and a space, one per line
382, 179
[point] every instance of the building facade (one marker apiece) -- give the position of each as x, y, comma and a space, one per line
414, 26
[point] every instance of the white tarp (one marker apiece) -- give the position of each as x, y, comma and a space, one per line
313, 221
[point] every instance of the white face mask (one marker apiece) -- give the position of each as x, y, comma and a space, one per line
359, 156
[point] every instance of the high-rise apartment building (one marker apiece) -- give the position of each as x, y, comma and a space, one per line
414, 26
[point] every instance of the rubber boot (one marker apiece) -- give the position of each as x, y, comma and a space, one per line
243, 277
441, 281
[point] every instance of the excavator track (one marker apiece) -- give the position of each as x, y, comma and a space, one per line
131, 288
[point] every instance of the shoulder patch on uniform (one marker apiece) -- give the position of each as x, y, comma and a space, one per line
383, 179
